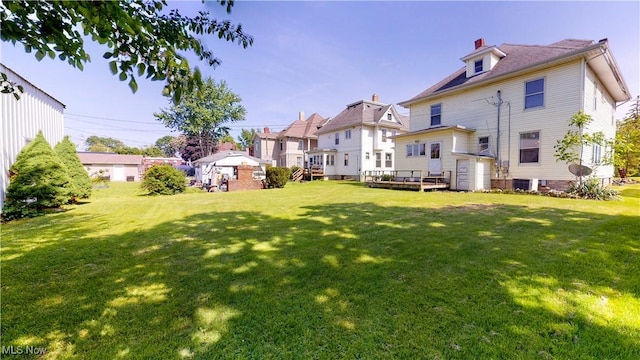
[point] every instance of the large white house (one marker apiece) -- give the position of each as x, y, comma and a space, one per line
494, 122
358, 139
22, 119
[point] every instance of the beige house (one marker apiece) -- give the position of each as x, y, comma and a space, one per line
495, 121
290, 146
116, 167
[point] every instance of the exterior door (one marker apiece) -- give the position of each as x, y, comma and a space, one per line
435, 160
462, 175
118, 173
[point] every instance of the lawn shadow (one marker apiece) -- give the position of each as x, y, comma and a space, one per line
340, 281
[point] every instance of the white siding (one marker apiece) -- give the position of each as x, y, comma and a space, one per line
476, 109
22, 119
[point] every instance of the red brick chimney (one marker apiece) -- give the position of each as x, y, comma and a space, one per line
479, 43
266, 130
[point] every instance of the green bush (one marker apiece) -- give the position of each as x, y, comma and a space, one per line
277, 177
592, 188
38, 181
164, 180
80, 180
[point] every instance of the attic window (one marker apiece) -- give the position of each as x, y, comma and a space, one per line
477, 65
389, 116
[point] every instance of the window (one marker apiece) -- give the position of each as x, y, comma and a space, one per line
534, 94
388, 160
416, 149
331, 160
346, 159
595, 96
337, 138
477, 65
483, 145
384, 135
435, 151
597, 154
300, 145
347, 134
389, 117
529, 147
378, 159
281, 145
299, 161
436, 114
366, 155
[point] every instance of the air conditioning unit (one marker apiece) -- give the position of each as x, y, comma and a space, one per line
525, 184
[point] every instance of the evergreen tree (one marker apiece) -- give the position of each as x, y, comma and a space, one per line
38, 180
80, 179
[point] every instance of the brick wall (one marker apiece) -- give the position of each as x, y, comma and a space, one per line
245, 180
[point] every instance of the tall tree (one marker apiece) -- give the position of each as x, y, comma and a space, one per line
164, 144
627, 144
81, 183
205, 114
103, 144
143, 37
38, 180
245, 139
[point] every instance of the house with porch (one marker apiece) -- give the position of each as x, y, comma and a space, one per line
494, 122
357, 140
289, 147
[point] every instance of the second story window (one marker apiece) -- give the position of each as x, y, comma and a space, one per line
300, 145
534, 93
337, 138
477, 66
436, 114
281, 145
347, 134
384, 135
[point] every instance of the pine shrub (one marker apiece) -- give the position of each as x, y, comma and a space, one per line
38, 181
164, 180
80, 179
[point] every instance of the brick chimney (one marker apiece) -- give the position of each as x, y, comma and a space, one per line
374, 97
479, 43
266, 130
301, 116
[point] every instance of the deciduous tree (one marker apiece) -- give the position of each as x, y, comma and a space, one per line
204, 115
143, 37
627, 144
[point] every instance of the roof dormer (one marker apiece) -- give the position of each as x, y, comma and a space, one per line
482, 59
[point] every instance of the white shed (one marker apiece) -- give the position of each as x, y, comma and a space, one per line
22, 119
210, 169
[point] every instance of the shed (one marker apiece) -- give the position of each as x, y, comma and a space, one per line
210, 169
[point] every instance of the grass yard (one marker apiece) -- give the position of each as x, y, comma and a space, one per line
326, 270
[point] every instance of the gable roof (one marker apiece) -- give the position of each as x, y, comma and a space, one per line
228, 154
365, 112
519, 59
109, 158
304, 129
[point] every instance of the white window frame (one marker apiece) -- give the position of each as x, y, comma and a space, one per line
347, 134
337, 139
534, 94
528, 148
436, 115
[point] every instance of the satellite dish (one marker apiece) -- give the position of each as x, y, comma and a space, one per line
580, 170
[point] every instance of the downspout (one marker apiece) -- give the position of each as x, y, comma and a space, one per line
499, 163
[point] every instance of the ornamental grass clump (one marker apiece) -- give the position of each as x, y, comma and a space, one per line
164, 180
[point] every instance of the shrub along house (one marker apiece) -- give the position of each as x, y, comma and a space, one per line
495, 121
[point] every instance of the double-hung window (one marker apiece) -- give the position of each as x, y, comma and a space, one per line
436, 114
529, 147
534, 93
346, 159
597, 154
337, 138
347, 134
477, 66
384, 135
388, 160
378, 159
483, 145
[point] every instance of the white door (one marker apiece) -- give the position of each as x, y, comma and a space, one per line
435, 161
462, 175
118, 173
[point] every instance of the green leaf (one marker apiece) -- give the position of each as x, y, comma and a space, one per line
123, 76
40, 55
16, 96
141, 69
133, 85
107, 55
113, 65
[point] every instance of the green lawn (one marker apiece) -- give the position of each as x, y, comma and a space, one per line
327, 270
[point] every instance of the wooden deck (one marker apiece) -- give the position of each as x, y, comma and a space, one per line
407, 180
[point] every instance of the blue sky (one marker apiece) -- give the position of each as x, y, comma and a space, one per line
316, 56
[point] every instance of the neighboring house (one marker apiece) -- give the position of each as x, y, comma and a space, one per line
115, 167
148, 162
494, 122
214, 168
359, 139
22, 119
288, 147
